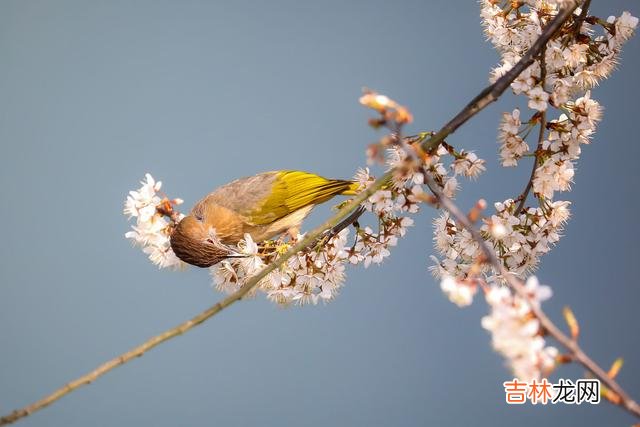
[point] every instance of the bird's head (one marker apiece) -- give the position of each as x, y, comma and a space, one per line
195, 243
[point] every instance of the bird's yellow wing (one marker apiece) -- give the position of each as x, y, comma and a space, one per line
293, 190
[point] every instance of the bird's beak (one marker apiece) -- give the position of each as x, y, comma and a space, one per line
229, 251
233, 253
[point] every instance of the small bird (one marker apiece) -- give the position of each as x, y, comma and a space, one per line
264, 206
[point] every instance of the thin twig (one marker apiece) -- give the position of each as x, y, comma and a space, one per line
484, 98
541, 133
518, 286
581, 17
523, 197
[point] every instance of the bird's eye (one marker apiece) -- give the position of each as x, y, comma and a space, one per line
198, 217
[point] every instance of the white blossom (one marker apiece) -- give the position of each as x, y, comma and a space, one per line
469, 165
512, 145
625, 26
516, 333
151, 230
575, 55
459, 293
538, 98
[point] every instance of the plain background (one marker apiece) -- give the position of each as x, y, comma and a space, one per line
93, 94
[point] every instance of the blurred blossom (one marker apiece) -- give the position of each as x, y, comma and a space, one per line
515, 331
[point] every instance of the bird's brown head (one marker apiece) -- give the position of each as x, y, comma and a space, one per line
195, 244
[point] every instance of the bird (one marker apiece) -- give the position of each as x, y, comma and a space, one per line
264, 206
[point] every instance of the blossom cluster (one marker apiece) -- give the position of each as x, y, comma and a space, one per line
308, 277
576, 60
516, 332
520, 234
562, 146
520, 239
573, 62
152, 228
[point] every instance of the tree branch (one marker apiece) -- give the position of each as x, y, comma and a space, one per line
518, 286
484, 98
